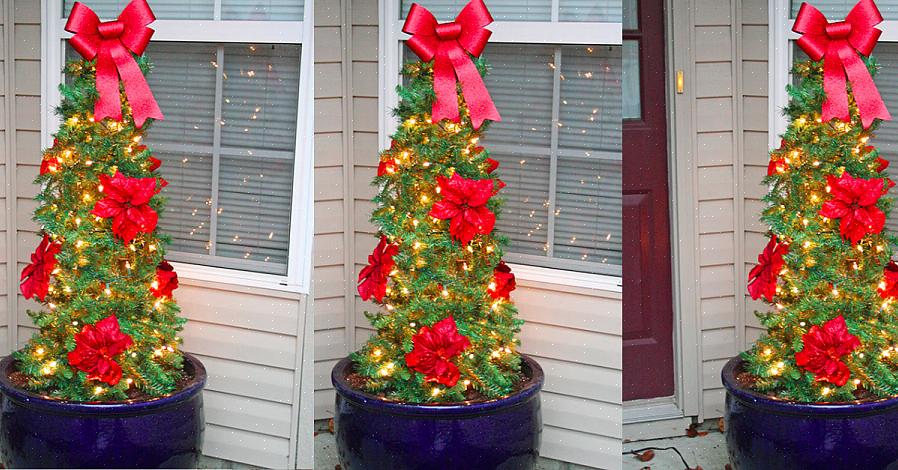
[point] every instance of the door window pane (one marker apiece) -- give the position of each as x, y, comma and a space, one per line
630, 81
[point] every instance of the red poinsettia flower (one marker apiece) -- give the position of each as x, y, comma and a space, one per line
95, 348
888, 287
854, 202
36, 276
127, 202
166, 280
434, 349
823, 350
50, 164
464, 204
373, 278
387, 167
762, 278
503, 282
776, 165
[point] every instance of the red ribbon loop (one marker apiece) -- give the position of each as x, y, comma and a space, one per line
112, 44
838, 44
448, 45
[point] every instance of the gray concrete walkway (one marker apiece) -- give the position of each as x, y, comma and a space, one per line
708, 452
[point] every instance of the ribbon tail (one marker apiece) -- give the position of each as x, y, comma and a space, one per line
836, 103
140, 97
480, 104
869, 103
108, 103
446, 104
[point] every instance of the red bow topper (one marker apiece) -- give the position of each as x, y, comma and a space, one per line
449, 44
836, 44
112, 43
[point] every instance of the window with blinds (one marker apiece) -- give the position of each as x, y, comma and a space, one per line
559, 152
228, 141
604, 11
559, 141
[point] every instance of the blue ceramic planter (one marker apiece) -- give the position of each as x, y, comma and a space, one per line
376, 434
765, 433
38, 432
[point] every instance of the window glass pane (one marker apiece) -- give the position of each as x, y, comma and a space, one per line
588, 184
254, 10
605, 11
501, 10
630, 80
262, 10
836, 10
183, 81
631, 14
258, 137
163, 9
229, 196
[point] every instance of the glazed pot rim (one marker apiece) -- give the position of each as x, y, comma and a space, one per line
528, 392
57, 405
785, 406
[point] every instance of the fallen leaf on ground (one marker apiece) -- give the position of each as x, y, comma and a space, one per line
691, 431
646, 456
330, 425
727, 467
721, 426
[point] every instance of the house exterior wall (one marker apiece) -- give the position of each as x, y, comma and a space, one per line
252, 341
730, 145
574, 333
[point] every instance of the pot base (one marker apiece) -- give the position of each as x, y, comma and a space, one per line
166, 432
764, 433
376, 434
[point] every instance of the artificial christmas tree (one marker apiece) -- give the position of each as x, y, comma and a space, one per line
447, 326
831, 330
446, 330
108, 323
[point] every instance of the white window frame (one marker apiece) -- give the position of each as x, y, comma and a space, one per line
299, 264
553, 32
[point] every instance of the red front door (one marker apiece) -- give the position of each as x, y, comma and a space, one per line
648, 301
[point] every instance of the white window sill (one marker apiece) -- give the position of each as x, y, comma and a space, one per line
568, 278
238, 278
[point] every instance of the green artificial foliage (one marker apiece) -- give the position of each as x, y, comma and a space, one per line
98, 275
436, 276
825, 275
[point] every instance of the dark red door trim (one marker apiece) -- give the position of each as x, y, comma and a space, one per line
647, 285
